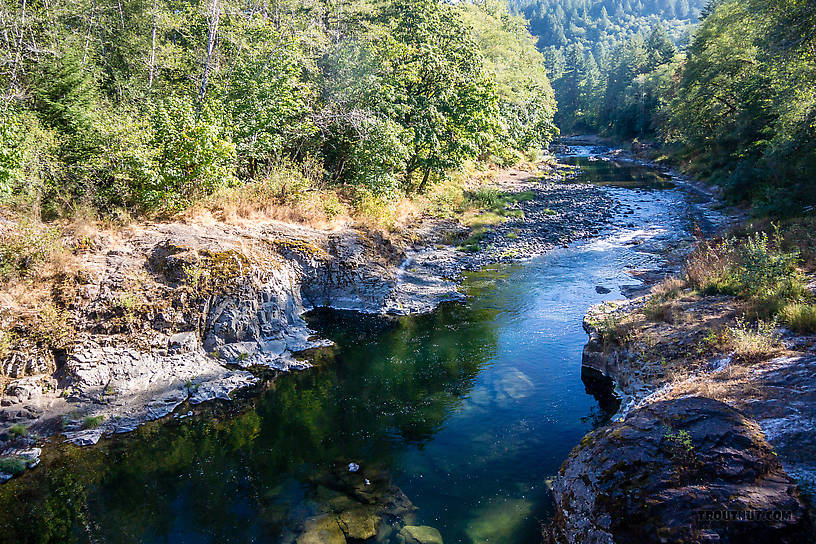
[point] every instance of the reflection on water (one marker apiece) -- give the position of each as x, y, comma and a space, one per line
595, 168
457, 420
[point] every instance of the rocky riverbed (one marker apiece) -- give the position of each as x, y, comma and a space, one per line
176, 313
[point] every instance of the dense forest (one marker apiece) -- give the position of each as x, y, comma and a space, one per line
731, 97
140, 106
596, 48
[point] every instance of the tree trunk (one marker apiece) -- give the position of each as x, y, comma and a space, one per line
425, 177
339, 18
212, 23
152, 49
88, 35
19, 44
121, 15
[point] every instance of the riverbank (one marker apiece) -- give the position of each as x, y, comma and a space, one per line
158, 315
718, 403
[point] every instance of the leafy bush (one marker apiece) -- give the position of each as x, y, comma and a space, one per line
23, 248
755, 268
26, 157
611, 330
194, 157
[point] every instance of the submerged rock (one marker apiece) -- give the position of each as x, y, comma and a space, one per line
419, 534
322, 530
670, 472
359, 523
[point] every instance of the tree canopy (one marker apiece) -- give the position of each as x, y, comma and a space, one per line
139, 105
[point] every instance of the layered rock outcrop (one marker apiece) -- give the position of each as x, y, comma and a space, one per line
175, 313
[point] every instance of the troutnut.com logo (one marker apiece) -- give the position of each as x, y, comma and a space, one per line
743, 515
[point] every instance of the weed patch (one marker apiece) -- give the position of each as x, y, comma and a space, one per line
800, 317
13, 465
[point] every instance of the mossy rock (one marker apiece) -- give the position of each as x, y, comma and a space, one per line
322, 530
420, 534
301, 247
359, 523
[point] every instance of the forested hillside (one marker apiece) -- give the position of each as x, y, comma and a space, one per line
140, 106
595, 50
592, 23
732, 96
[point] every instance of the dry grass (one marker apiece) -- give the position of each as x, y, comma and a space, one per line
288, 194
669, 289
733, 385
800, 317
752, 342
282, 194
708, 265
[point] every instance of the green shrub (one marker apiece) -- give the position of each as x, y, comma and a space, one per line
763, 266
755, 268
194, 159
18, 430
13, 465
26, 246
611, 330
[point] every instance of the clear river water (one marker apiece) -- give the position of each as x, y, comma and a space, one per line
467, 412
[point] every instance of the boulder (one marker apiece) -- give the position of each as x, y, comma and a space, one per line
682, 470
359, 523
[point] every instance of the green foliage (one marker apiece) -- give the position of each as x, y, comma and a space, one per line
744, 109
681, 447
756, 268
194, 157
25, 154
448, 102
26, 246
596, 50
611, 329
109, 108
526, 101
800, 317
92, 422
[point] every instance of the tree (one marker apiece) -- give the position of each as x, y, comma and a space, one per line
659, 48
446, 101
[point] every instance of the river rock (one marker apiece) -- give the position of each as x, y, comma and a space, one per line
359, 523
666, 470
419, 534
322, 530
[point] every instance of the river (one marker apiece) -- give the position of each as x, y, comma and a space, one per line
466, 412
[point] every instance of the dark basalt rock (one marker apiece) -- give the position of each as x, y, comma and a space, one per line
668, 471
